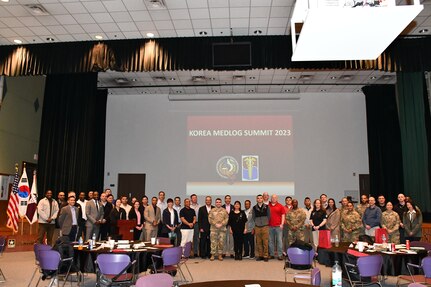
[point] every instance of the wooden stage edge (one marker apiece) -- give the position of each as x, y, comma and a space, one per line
23, 242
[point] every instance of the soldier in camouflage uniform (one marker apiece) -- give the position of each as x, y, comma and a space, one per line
295, 221
351, 224
362, 205
391, 222
218, 218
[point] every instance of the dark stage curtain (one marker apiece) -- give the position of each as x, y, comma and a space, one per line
165, 54
384, 142
72, 137
413, 111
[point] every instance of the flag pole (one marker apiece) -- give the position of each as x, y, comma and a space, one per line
16, 170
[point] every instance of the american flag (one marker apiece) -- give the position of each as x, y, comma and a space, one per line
12, 207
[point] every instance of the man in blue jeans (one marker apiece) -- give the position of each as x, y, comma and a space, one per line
276, 223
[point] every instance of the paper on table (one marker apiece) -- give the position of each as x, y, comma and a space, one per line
252, 285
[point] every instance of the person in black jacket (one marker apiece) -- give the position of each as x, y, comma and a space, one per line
117, 213
137, 213
237, 220
204, 228
170, 221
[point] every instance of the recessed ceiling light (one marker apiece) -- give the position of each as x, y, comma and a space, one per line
306, 77
98, 37
212, 79
172, 79
203, 33
199, 78
287, 91
373, 77
134, 80
5, 1
238, 77
422, 31
323, 90
292, 77
49, 39
17, 41
150, 35
252, 78
333, 78
257, 32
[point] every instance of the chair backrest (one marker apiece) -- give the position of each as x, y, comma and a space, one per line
164, 240
426, 266
2, 244
416, 285
112, 264
298, 256
425, 245
49, 259
316, 277
40, 247
155, 280
187, 249
379, 233
370, 266
172, 256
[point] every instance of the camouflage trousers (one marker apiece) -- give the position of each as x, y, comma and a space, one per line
352, 236
294, 235
217, 238
394, 237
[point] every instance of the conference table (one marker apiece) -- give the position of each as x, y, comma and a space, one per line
242, 283
394, 264
85, 258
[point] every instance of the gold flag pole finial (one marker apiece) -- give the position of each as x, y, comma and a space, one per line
16, 167
24, 164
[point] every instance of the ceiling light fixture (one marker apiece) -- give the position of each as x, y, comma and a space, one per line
346, 77
252, 78
257, 32
373, 77
423, 31
203, 33
238, 77
98, 37
17, 41
50, 39
5, 1
323, 90
150, 35
292, 77
198, 78
306, 77
333, 78
156, 4
36, 9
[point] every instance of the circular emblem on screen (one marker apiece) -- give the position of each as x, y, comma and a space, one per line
227, 167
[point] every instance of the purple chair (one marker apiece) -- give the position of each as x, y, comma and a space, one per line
170, 258
37, 248
155, 280
420, 278
366, 267
2, 247
416, 285
186, 255
298, 261
49, 262
315, 278
422, 244
111, 269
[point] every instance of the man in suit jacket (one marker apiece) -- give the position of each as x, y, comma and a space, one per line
94, 212
204, 228
228, 242
152, 216
69, 219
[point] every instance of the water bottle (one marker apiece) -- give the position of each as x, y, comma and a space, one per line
94, 238
384, 241
80, 242
336, 275
336, 241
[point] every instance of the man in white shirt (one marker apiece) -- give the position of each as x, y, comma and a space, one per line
161, 203
195, 205
308, 208
82, 202
178, 207
126, 206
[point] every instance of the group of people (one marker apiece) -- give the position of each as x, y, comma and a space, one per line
260, 231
